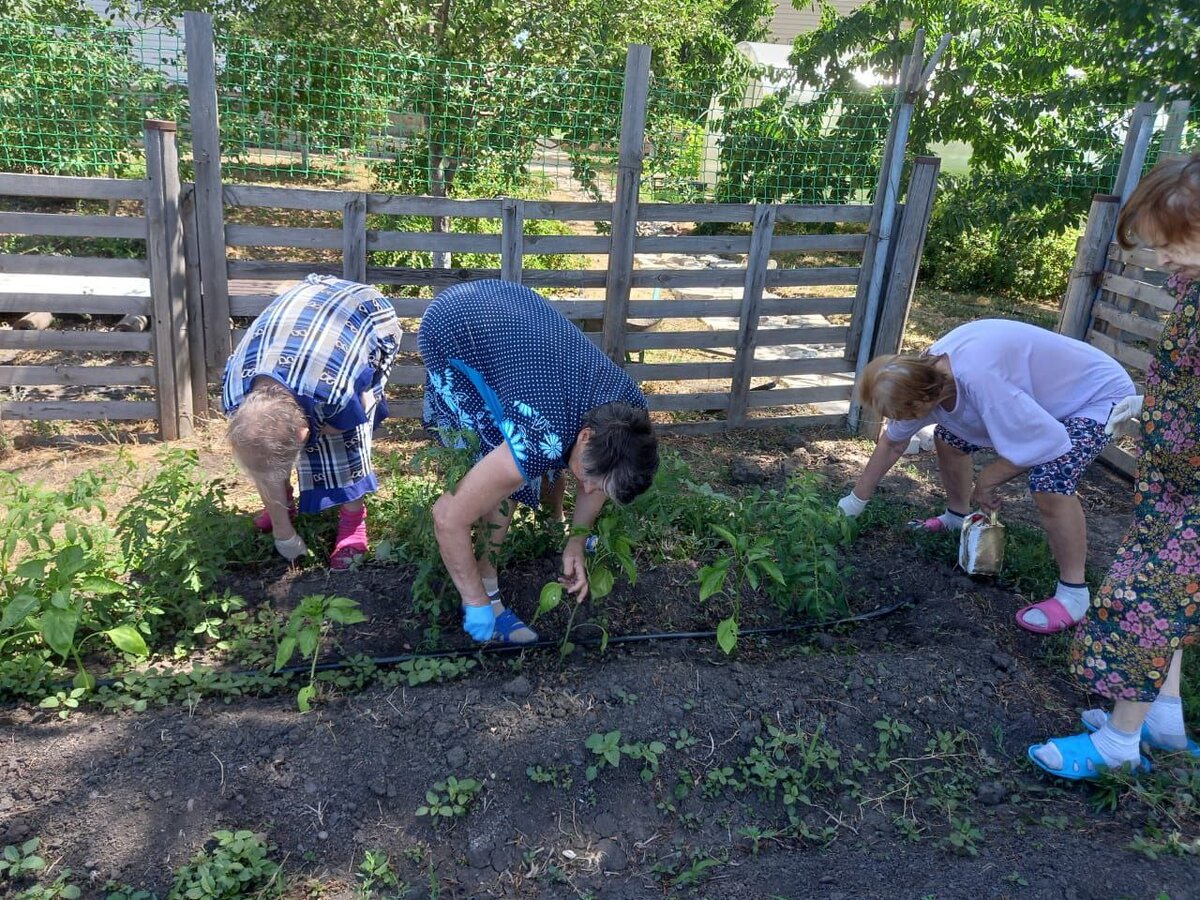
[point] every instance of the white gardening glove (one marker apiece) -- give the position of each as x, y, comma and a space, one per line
291, 549
851, 505
1124, 410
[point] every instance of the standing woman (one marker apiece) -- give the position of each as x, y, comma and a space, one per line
506, 367
304, 390
1130, 649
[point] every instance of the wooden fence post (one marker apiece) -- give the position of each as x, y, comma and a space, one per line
168, 281
210, 202
354, 238
1133, 155
512, 239
756, 278
625, 204
1090, 259
195, 304
1172, 142
904, 267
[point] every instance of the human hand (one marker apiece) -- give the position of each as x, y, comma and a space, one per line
479, 621
292, 548
851, 506
986, 496
1122, 412
574, 577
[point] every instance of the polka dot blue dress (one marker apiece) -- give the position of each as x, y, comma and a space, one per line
505, 365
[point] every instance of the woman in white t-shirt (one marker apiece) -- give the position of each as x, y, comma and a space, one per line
1045, 403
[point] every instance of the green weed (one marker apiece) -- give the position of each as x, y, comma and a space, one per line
451, 798
236, 865
304, 628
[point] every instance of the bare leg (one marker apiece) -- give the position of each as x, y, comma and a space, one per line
1066, 530
1128, 715
1171, 683
553, 494
957, 473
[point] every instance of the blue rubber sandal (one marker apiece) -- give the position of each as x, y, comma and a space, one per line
1148, 742
507, 623
1081, 760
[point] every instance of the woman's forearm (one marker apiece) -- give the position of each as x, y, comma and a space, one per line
587, 508
886, 455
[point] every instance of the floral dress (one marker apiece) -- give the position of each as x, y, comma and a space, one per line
503, 364
1149, 603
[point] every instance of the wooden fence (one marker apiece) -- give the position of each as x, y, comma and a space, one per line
159, 359
1115, 300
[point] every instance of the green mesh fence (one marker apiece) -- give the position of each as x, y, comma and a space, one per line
762, 138
418, 125
72, 101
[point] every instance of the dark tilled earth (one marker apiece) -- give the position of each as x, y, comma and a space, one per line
959, 689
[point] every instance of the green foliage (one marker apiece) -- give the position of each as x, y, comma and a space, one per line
450, 799
73, 100
18, 861
375, 874
237, 865
607, 750
416, 672
1001, 234
303, 632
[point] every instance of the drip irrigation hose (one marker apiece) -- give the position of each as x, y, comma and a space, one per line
497, 649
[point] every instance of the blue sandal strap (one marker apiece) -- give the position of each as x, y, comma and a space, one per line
506, 623
1081, 761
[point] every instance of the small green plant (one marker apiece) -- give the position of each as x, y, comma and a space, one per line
303, 631
375, 873
963, 838
451, 798
559, 776
749, 562
66, 702
237, 865
607, 750
423, 671
17, 861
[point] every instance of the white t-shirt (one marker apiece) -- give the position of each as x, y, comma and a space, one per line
1016, 384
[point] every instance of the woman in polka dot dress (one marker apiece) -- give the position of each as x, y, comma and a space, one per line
507, 371
1130, 649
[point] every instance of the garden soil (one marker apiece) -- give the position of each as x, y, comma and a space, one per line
130, 797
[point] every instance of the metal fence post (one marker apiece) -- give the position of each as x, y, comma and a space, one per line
210, 203
168, 281
625, 206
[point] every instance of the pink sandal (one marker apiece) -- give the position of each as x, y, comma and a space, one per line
932, 525
1057, 617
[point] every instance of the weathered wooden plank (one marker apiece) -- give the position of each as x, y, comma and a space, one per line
569, 210
397, 205
98, 304
1121, 460
802, 334
49, 264
81, 410
801, 396
717, 426
720, 243
699, 402
269, 197
807, 306
67, 186
158, 250
767, 337
97, 341
73, 225
197, 355
634, 104
205, 125
1137, 143
691, 371
406, 375
354, 238
730, 212
1090, 259
1140, 256
1127, 321
756, 276
814, 276
819, 243
545, 244
818, 365
433, 241
1177, 118
1159, 298
1130, 356
86, 376
906, 259
283, 236
512, 223
271, 270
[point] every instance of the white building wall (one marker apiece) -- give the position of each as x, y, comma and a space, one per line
791, 20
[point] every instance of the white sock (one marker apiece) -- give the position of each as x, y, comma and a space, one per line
1117, 747
952, 520
1075, 599
1165, 723
491, 585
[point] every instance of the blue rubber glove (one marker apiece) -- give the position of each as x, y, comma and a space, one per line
479, 621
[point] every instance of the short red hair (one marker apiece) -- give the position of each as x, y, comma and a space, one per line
1165, 206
